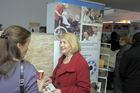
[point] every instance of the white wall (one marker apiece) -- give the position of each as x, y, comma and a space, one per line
50, 17
21, 12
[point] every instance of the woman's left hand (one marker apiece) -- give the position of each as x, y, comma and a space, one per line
56, 91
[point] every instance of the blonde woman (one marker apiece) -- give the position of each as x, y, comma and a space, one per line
71, 74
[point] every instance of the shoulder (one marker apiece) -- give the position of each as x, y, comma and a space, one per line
29, 68
80, 63
78, 55
30, 73
128, 46
129, 53
28, 65
80, 59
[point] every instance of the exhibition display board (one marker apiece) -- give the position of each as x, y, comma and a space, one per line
85, 21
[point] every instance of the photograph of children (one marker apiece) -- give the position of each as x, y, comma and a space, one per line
91, 33
67, 19
92, 15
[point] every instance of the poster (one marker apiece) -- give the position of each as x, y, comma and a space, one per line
90, 52
69, 21
91, 33
85, 21
91, 30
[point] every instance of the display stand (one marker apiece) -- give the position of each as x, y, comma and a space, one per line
103, 67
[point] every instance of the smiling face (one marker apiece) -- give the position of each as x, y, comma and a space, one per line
65, 47
95, 30
86, 35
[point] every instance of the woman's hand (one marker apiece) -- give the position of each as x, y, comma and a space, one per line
44, 82
56, 91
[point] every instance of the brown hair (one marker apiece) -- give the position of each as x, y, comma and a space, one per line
8, 46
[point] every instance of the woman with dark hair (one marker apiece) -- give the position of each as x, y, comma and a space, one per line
114, 41
14, 43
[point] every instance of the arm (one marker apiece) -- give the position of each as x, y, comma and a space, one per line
44, 82
123, 66
57, 13
30, 77
59, 10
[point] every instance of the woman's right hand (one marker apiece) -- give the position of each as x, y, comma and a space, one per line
46, 81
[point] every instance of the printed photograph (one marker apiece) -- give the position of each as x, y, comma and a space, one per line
92, 15
91, 33
67, 19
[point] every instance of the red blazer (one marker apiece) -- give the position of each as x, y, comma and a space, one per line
74, 77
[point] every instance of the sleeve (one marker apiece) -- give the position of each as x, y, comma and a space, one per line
30, 79
124, 65
82, 79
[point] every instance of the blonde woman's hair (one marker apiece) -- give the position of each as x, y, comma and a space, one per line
126, 37
73, 41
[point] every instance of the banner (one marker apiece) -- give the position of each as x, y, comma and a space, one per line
85, 21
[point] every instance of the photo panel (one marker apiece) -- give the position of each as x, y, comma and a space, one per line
91, 33
92, 15
67, 19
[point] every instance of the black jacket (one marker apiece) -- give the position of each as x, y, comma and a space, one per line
117, 81
130, 70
